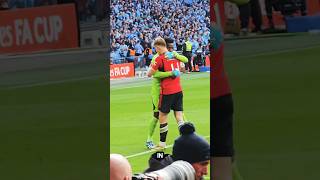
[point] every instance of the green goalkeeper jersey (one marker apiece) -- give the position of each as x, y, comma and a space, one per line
155, 88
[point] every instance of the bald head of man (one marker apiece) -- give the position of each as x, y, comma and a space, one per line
120, 168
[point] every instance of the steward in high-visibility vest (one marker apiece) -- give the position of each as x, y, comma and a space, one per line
187, 52
188, 46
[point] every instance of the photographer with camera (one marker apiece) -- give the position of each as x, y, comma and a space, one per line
178, 170
120, 169
189, 159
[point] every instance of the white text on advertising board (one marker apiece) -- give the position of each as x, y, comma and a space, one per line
120, 71
40, 30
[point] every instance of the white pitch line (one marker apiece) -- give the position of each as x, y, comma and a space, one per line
152, 151
146, 152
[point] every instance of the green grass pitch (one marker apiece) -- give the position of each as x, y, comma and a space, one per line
131, 110
275, 84
276, 95
54, 129
59, 130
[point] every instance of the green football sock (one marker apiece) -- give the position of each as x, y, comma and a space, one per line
152, 127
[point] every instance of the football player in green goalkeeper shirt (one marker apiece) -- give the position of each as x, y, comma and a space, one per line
155, 90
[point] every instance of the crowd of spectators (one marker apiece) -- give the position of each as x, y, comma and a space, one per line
88, 10
13, 4
136, 23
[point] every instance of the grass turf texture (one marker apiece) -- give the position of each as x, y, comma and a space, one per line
276, 98
56, 130
131, 110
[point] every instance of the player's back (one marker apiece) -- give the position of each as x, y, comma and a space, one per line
170, 85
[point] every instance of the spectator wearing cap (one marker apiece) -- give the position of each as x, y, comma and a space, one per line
192, 148
189, 147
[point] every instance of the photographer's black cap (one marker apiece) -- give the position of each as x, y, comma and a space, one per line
189, 146
158, 160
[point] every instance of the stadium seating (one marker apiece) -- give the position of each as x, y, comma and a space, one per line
135, 21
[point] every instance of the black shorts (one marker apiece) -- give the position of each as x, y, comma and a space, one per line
171, 101
221, 130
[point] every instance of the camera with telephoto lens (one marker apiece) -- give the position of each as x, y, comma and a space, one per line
176, 170
142, 177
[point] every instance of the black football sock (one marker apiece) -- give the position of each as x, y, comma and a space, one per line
163, 132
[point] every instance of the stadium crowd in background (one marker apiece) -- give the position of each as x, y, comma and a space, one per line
135, 24
88, 10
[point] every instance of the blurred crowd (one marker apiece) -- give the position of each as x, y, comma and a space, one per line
253, 9
88, 10
136, 23
13, 4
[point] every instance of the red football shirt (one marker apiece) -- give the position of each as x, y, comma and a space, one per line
168, 85
219, 81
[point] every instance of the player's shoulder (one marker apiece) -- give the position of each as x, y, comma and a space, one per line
155, 57
157, 61
160, 57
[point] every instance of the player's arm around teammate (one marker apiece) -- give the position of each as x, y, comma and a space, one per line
155, 95
174, 73
171, 91
155, 90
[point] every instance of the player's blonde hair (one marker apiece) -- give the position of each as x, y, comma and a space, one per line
159, 41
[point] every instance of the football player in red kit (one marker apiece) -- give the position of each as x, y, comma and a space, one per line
222, 150
171, 96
